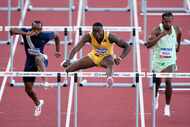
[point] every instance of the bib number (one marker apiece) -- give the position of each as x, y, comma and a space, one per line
165, 52
101, 51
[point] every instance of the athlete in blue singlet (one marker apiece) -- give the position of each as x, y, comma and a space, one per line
34, 41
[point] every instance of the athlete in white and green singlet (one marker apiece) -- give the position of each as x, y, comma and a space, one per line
165, 42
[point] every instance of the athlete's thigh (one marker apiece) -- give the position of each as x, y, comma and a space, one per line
83, 63
170, 68
107, 61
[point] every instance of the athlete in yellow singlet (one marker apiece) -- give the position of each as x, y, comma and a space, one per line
100, 50
101, 54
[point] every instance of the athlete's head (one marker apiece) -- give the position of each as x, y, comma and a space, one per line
167, 19
37, 26
97, 30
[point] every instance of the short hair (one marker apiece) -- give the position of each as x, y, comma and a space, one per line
167, 14
37, 22
97, 24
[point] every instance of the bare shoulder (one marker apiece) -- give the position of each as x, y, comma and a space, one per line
177, 29
156, 31
86, 38
113, 38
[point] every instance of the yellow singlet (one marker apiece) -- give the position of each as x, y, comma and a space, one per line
100, 51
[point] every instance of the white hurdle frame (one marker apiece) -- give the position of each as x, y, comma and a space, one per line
67, 29
1, 28
161, 75
55, 9
73, 86
139, 87
86, 8
20, 7
16, 8
13, 48
104, 9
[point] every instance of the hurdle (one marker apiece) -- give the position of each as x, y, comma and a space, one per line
70, 9
16, 8
66, 39
87, 8
104, 9
13, 48
134, 32
116, 74
158, 11
65, 29
71, 88
40, 74
30, 7
161, 75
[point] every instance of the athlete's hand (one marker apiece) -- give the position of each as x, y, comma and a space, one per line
57, 54
32, 33
163, 33
117, 60
65, 63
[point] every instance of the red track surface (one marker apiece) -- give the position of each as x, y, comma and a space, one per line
97, 107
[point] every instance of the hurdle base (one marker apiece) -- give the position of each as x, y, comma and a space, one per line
12, 82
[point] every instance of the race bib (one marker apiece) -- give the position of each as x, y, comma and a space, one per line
165, 52
101, 51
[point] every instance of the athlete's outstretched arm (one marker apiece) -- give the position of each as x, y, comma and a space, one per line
14, 31
83, 40
57, 45
121, 43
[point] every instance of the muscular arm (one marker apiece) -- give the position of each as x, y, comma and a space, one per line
121, 43
179, 34
15, 31
57, 42
154, 37
83, 40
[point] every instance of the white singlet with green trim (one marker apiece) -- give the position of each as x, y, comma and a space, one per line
164, 52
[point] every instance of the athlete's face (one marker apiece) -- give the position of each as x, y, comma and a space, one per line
98, 32
37, 27
167, 22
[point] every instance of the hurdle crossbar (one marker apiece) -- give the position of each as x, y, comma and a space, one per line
177, 85
160, 13
160, 9
57, 9
12, 9
70, 74
84, 28
169, 75
104, 84
38, 84
124, 9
